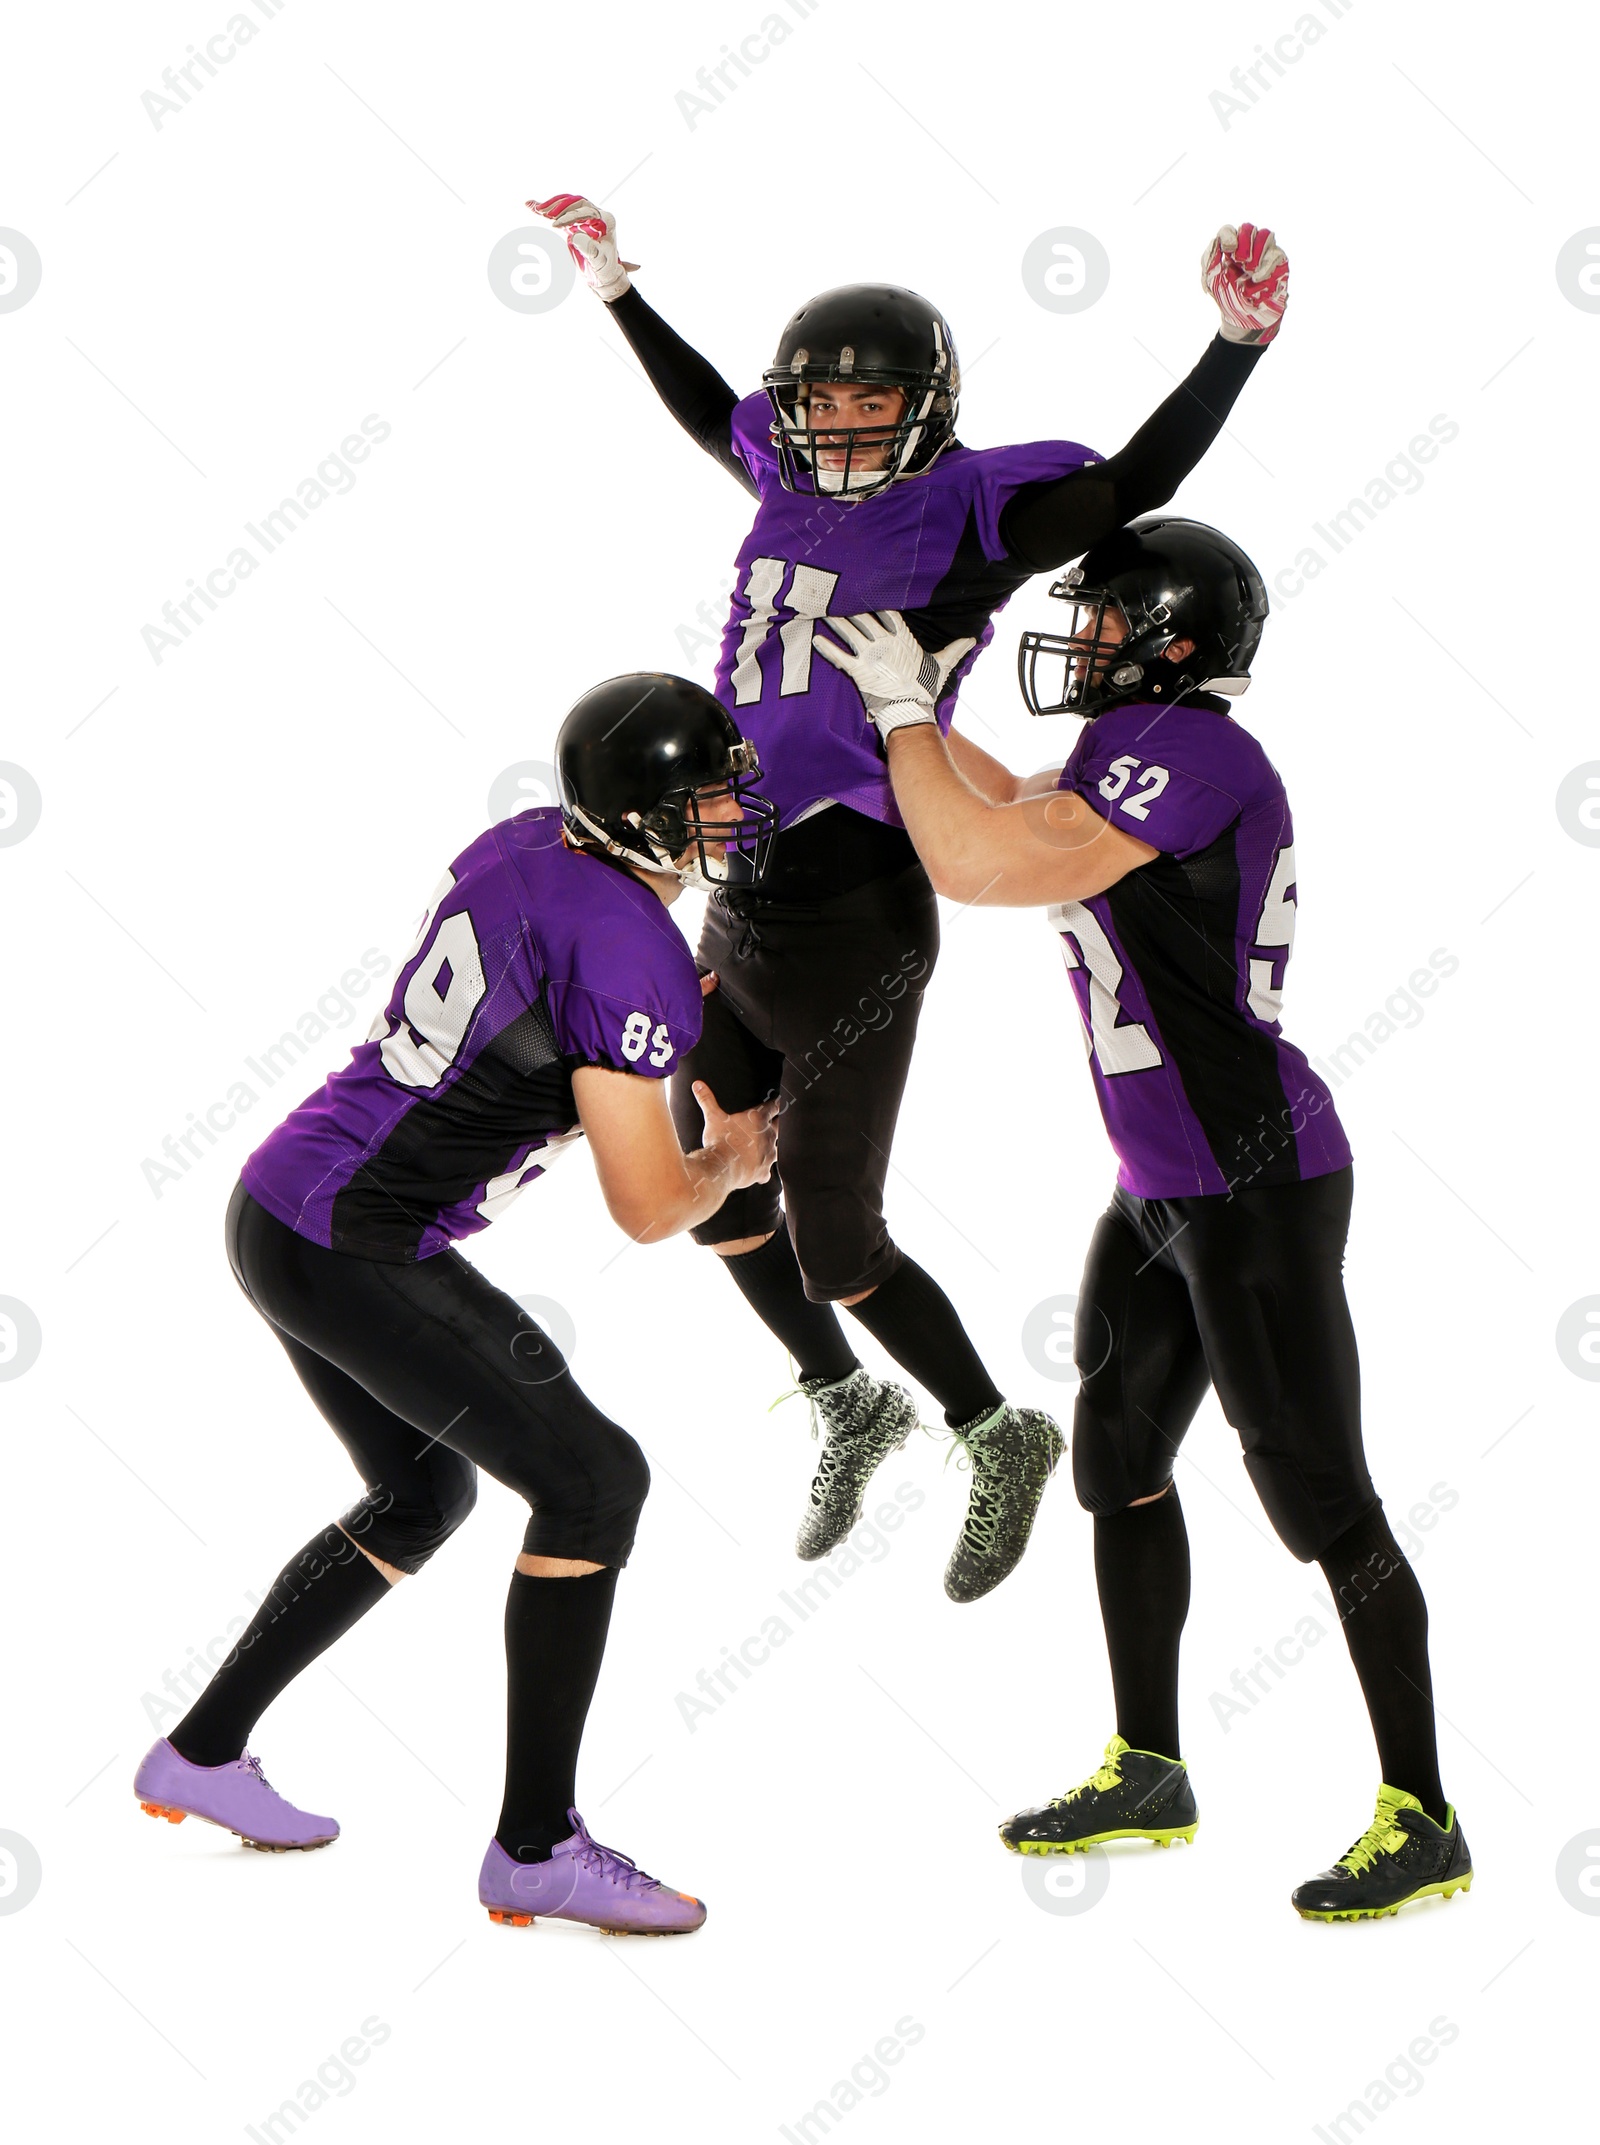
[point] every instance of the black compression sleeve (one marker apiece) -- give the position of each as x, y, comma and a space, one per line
695, 392
1044, 525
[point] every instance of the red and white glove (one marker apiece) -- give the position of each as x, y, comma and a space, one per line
591, 236
899, 681
1246, 272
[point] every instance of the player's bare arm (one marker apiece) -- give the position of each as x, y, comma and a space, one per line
1017, 849
652, 1189
1030, 854
991, 778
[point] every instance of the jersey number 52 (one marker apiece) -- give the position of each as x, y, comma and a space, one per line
1152, 781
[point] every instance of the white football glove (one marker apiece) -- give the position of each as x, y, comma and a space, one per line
898, 679
591, 236
1246, 272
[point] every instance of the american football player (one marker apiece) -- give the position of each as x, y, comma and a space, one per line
1163, 853
547, 995
866, 499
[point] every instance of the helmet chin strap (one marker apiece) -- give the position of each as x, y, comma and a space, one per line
703, 879
1231, 688
908, 451
834, 481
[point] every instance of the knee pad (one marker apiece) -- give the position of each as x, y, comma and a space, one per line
841, 1242
1106, 1477
757, 1210
602, 1531
621, 1490
406, 1530
1304, 1521
633, 1478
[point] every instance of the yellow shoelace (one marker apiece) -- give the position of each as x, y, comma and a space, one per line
1383, 1836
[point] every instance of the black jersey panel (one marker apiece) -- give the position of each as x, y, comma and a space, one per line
1177, 923
516, 1088
970, 591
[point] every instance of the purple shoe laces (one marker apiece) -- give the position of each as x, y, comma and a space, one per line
607, 1862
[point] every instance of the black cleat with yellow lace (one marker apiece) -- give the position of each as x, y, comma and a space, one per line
1403, 1855
1134, 1795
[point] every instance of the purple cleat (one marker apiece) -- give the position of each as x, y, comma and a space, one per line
584, 1882
236, 1796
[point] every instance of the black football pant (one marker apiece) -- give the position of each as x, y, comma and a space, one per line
426, 1372
1244, 1293
816, 1004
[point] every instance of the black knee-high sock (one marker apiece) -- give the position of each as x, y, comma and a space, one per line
1141, 1566
555, 1639
1385, 1623
769, 1280
913, 1318
314, 1600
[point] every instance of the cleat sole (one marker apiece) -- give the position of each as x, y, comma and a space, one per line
1163, 1838
1378, 1914
266, 1847
605, 1931
509, 1920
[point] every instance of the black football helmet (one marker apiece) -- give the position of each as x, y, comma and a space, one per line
866, 335
1172, 580
633, 761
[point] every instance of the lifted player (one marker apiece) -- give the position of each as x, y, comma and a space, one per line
546, 994
1166, 850
866, 500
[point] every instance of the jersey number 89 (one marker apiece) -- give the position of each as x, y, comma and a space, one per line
636, 1033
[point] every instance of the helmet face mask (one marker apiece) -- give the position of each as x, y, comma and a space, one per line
863, 335
701, 852
1095, 666
641, 762
1170, 580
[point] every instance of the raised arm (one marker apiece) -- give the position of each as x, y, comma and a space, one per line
1043, 525
692, 389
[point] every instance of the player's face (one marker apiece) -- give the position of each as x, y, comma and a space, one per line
1096, 641
835, 402
717, 807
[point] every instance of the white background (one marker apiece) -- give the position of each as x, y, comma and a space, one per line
305, 243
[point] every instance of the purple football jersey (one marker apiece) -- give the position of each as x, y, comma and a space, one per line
928, 546
532, 959
1178, 969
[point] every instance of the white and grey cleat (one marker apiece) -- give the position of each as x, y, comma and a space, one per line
865, 1419
1013, 1453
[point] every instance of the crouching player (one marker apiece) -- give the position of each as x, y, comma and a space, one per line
1165, 854
546, 994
